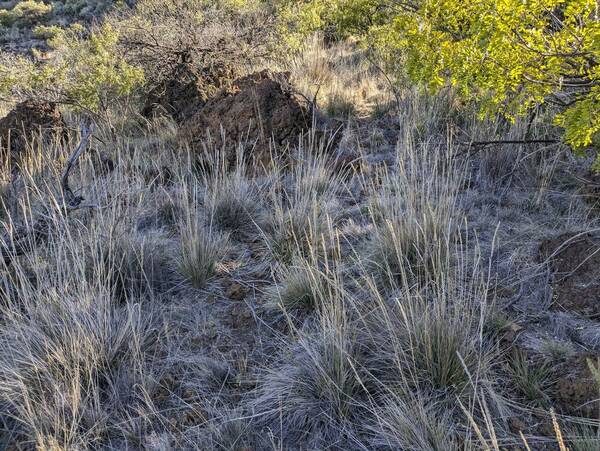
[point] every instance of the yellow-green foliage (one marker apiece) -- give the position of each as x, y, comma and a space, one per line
508, 55
85, 70
25, 13
46, 31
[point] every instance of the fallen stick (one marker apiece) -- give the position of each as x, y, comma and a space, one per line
14, 243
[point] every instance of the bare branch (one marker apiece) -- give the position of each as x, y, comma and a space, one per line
517, 141
70, 198
17, 241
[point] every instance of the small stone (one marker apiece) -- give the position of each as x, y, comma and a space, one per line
511, 332
516, 425
236, 292
189, 393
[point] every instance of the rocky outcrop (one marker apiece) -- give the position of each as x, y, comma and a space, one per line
255, 112
186, 91
26, 123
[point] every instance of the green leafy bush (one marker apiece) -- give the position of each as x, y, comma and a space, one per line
83, 8
46, 31
508, 55
25, 13
85, 70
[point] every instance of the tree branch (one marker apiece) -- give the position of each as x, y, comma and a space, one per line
16, 242
71, 200
505, 142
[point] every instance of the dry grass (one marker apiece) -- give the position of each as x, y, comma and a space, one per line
344, 82
414, 207
147, 321
202, 246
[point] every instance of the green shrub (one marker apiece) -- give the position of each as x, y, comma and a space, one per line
46, 32
85, 70
508, 56
25, 13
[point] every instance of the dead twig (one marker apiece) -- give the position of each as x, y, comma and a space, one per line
72, 201
516, 141
17, 241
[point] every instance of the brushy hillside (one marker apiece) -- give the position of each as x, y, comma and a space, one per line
388, 272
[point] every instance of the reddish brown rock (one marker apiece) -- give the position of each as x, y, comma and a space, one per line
27, 122
575, 263
187, 90
236, 292
255, 111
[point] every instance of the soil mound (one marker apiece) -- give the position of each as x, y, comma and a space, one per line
575, 263
186, 90
256, 110
27, 122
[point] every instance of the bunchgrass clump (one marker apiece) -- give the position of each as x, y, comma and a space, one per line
294, 230
583, 437
430, 347
531, 379
310, 283
233, 203
304, 206
70, 350
201, 250
414, 423
302, 286
314, 398
414, 209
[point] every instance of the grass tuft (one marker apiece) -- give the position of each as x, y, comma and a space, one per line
201, 249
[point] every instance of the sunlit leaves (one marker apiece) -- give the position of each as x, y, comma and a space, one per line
507, 55
85, 70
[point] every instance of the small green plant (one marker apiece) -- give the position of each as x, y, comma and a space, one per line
531, 380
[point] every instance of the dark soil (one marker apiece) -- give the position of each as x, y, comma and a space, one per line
258, 110
575, 264
26, 123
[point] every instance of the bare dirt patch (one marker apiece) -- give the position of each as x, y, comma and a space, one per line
575, 263
576, 389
